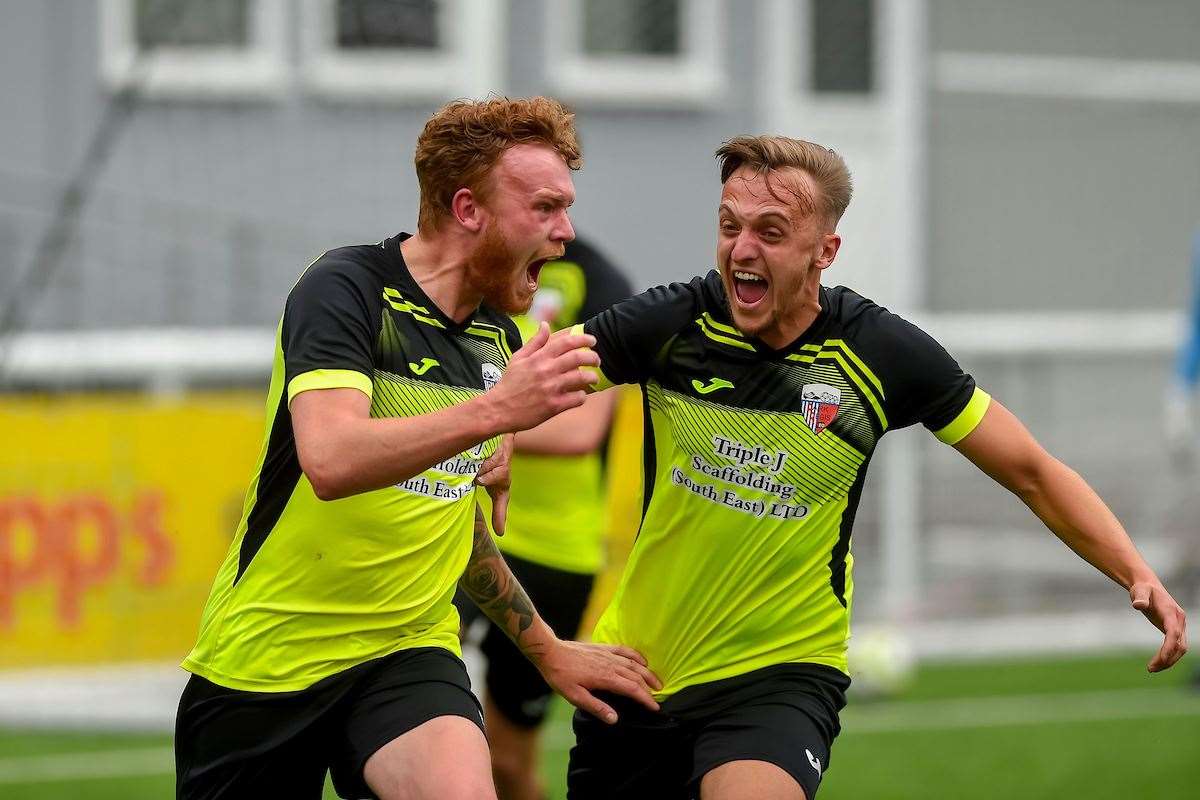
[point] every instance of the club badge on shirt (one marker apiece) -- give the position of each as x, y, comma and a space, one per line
491, 375
819, 404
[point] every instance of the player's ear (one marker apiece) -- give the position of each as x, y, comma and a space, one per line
828, 250
465, 209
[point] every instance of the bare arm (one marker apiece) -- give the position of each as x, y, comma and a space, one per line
571, 668
344, 451
572, 433
1004, 449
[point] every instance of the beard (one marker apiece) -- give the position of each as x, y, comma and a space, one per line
491, 270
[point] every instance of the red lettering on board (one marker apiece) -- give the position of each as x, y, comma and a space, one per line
75, 543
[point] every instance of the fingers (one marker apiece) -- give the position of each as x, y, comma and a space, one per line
1139, 595
1157, 605
640, 675
631, 688
566, 342
586, 701
1174, 642
628, 652
499, 511
636, 663
534, 343
573, 359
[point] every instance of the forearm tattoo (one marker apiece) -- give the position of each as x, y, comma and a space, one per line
490, 583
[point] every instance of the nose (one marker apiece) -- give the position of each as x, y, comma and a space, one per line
563, 231
744, 247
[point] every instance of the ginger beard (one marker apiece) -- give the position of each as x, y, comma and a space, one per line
493, 271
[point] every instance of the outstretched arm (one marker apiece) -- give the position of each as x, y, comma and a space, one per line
572, 669
1004, 449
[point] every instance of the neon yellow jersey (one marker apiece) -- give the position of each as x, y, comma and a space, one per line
311, 588
754, 464
556, 511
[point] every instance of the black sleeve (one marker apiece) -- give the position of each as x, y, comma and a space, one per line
630, 334
921, 381
605, 284
331, 320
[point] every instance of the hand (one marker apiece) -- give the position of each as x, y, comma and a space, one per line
574, 669
542, 379
495, 477
1150, 598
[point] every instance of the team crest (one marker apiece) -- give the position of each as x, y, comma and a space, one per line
491, 375
819, 404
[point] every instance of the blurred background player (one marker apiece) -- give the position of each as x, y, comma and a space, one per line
554, 537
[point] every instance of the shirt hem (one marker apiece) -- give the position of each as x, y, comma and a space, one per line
220, 678
672, 689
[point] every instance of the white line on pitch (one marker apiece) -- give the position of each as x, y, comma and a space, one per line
1017, 710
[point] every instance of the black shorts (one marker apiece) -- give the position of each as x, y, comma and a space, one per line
233, 744
514, 685
786, 715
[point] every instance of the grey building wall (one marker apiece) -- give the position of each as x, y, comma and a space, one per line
207, 210
1045, 203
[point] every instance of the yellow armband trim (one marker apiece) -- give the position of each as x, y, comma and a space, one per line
603, 382
328, 379
967, 419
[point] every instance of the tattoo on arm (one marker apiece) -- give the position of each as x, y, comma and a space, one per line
490, 583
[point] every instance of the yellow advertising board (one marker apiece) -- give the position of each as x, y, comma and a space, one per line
115, 511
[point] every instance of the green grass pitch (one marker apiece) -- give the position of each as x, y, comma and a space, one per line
1094, 727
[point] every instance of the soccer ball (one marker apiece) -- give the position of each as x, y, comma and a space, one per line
883, 662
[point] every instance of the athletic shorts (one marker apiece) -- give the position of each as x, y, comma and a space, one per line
785, 714
514, 685
233, 744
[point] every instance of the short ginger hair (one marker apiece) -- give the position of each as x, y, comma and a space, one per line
462, 142
766, 153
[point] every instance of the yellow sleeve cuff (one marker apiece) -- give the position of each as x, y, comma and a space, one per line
967, 419
328, 379
603, 382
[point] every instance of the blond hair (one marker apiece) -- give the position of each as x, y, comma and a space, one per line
462, 142
766, 153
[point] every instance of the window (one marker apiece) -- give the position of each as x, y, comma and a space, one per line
382, 24
841, 54
181, 47
416, 50
631, 27
819, 64
660, 52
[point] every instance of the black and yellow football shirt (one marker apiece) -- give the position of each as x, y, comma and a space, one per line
556, 512
754, 464
311, 588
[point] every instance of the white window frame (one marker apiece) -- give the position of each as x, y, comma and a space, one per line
694, 79
469, 63
786, 29
259, 70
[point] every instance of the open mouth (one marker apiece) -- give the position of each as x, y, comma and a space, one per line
533, 270
749, 288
